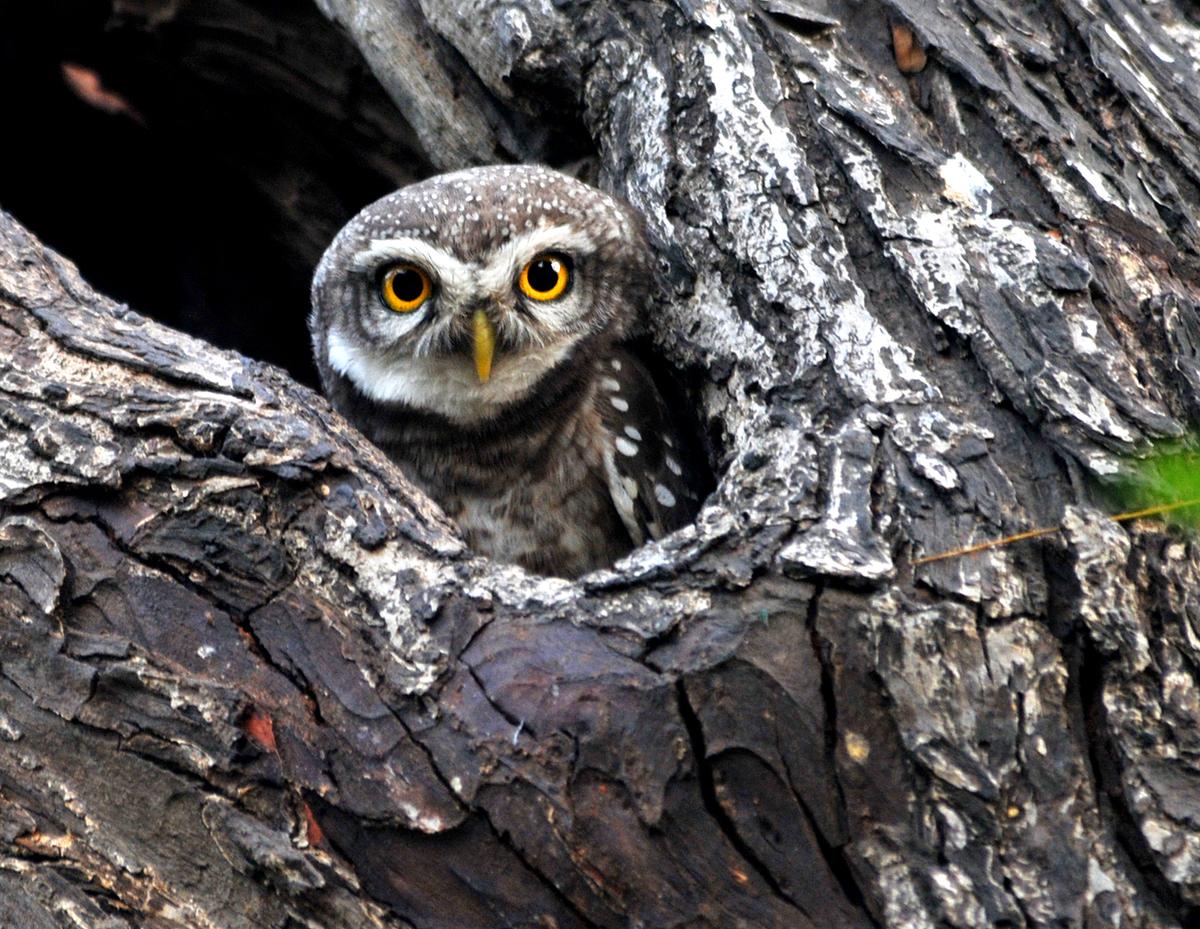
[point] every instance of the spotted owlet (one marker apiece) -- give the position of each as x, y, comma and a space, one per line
471, 326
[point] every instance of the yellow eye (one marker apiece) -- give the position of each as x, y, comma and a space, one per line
405, 287
546, 277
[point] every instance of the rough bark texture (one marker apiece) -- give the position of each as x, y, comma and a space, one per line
934, 270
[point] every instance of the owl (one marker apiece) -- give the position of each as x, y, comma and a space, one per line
474, 327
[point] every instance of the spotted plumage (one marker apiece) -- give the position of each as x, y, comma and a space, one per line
473, 327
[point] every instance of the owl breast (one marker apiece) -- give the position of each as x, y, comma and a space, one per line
557, 520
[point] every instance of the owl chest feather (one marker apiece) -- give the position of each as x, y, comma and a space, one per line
556, 520
535, 493
566, 481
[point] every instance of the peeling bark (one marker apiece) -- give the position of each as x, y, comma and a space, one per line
932, 272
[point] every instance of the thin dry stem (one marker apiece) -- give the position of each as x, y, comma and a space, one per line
1050, 530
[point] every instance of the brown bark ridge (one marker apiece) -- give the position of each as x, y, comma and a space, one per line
934, 272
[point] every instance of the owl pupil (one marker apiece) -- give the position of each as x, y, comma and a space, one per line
543, 274
407, 285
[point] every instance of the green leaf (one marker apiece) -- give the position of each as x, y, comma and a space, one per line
1164, 484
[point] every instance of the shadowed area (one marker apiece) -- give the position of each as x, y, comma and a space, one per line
194, 158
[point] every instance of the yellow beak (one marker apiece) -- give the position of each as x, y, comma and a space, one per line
485, 345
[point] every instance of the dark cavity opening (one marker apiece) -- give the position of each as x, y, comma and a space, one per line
195, 159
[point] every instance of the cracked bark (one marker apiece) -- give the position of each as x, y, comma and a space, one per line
249, 677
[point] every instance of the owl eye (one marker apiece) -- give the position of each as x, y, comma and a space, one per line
404, 287
546, 277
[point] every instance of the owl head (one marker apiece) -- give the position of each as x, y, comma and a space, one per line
457, 296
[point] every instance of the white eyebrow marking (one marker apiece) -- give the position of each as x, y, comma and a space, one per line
441, 265
506, 261
496, 276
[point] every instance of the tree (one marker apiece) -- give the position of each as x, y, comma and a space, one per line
930, 273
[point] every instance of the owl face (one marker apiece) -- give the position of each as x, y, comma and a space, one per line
457, 295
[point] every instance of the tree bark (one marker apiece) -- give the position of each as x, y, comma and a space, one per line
932, 275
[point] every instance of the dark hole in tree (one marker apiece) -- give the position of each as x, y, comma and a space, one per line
218, 151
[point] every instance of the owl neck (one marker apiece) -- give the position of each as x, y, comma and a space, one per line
520, 440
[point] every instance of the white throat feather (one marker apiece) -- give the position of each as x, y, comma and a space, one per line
446, 385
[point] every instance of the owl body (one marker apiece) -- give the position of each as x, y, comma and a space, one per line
471, 326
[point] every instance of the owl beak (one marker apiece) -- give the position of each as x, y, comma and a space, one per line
485, 345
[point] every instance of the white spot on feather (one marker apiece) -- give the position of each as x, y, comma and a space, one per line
673, 466
620, 403
663, 495
625, 447
622, 490
634, 433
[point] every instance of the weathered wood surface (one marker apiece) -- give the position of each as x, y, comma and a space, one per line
249, 677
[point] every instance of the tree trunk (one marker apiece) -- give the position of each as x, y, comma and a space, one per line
930, 274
